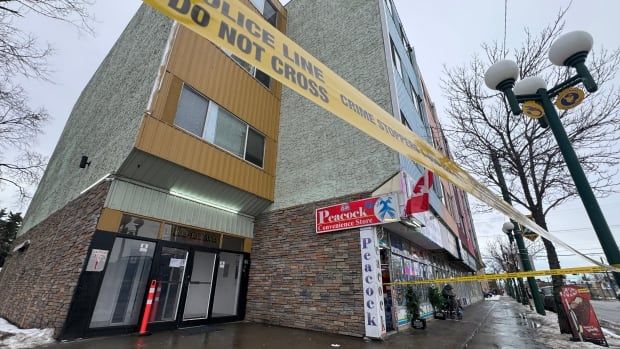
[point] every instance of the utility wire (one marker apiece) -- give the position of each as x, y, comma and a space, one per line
499, 233
505, 26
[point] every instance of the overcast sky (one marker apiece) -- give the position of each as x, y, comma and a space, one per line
443, 32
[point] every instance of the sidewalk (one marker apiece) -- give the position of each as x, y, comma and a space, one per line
490, 324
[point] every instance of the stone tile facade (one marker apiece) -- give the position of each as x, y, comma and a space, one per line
37, 285
304, 280
321, 156
105, 120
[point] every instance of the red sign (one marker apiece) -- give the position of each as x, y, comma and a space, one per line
583, 321
355, 214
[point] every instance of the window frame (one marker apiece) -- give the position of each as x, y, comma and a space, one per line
395, 58
388, 5
252, 70
268, 2
202, 137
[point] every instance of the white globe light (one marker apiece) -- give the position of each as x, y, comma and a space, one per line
508, 226
569, 44
529, 86
499, 72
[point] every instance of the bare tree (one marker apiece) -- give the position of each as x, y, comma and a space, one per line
22, 55
535, 171
502, 255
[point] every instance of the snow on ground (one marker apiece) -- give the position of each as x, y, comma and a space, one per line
549, 334
493, 298
12, 337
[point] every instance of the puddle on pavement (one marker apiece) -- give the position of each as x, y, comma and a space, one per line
527, 322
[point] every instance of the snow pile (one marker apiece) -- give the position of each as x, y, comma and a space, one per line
12, 337
493, 298
549, 334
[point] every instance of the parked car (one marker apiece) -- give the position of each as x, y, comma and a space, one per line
547, 293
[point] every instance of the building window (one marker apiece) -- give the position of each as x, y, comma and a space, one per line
402, 36
137, 226
225, 130
416, 99
396, 61
388, 5
263, 78
267, 10
404, 121
232, 243
206, 119
191, 111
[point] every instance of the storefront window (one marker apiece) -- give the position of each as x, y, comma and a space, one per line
397, 268
232, 243
137, 226
408, 269
122, 291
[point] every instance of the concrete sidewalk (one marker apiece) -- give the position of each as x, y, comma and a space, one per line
491, 324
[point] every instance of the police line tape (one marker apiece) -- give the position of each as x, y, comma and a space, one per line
235, 27
516, 275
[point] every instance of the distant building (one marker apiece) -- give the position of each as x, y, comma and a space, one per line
183, 164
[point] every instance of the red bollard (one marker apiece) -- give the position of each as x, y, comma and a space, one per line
147, 309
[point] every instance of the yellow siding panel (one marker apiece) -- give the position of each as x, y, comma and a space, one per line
175, 145
109, 220
205, 67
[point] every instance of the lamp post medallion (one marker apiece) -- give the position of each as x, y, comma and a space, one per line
533, 109
569, 98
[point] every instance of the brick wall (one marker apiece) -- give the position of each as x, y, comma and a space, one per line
37, 285
304, 280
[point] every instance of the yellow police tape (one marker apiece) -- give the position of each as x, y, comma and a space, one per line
517, 275
235, 27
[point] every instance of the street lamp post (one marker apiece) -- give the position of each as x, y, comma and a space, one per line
513, 228
569, 50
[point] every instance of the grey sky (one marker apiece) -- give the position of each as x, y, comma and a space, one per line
441, 31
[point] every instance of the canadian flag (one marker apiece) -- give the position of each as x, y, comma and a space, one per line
418, 202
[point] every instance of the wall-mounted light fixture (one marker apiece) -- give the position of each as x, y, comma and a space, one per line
84, 162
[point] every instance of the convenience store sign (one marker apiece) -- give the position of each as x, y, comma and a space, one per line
359, 213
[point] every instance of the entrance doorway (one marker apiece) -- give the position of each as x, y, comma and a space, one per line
199, 286
196, 285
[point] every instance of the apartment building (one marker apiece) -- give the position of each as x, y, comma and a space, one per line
182, 164
167, 158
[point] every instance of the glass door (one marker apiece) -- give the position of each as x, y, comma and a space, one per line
228, 286
199, 286
171, 266
121, 294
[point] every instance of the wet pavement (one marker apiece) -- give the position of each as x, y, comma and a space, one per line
490, 324
505, 327
608, 311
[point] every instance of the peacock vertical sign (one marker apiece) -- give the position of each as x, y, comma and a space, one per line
359, 213
374, 307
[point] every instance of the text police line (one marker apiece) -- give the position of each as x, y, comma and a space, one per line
295, 74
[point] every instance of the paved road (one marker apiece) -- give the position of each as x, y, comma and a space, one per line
608, 311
